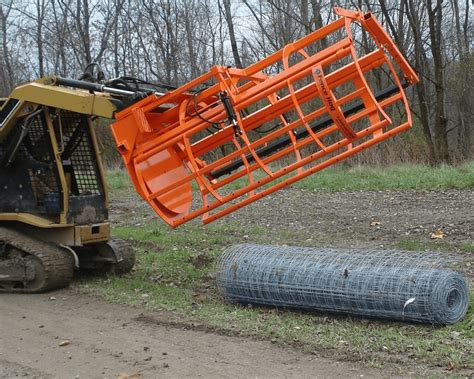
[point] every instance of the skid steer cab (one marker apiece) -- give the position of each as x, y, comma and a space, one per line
205, 149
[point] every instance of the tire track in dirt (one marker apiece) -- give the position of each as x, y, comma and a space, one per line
107, 339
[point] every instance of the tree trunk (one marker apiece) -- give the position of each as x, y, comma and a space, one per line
421, 87
233, 41
435, 18
40, 11
7, 70
464, 84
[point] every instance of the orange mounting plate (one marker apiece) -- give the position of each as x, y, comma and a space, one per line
232, 136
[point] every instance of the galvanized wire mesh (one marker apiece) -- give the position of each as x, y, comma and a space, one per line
382, 284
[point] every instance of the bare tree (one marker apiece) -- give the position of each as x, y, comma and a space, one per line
41, 6
441, 60
435, 19
463, 87
57, 38
6, 66
173, 41
422, 67
233, 41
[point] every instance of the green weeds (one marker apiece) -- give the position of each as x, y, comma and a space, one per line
174, 273
400, 177
403, 177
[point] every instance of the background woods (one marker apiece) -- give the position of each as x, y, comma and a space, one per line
172, 41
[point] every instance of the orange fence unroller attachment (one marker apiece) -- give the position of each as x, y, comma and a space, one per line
232, 136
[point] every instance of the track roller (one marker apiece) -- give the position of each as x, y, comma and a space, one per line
30, 265
113, 257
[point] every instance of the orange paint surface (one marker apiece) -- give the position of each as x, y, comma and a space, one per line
300, 110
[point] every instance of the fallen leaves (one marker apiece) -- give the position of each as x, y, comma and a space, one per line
437, 234
450, 366
124, 375
200, 295
201, 260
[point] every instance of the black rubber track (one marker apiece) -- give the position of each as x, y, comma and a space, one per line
57, 263
126, 252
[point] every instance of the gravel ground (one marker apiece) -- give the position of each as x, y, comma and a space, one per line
74, 336
362, 219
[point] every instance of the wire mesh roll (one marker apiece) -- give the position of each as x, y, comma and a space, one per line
380, 284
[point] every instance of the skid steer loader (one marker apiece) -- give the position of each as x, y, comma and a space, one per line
207, 148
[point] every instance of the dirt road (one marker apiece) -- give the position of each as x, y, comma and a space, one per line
108, 340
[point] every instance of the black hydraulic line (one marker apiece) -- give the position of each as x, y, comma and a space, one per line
141, 81
96, 87
300, 133
82, 84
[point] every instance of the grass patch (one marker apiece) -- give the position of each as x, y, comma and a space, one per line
341, 337
167, 278
436, 245
118, 179
181, 256
174, 273
398, 177
418, 177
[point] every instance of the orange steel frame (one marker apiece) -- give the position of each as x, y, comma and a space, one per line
169, 142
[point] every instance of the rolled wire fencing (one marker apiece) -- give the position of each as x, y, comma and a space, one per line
388, 284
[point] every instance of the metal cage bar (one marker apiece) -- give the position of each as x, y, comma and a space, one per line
241, 134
